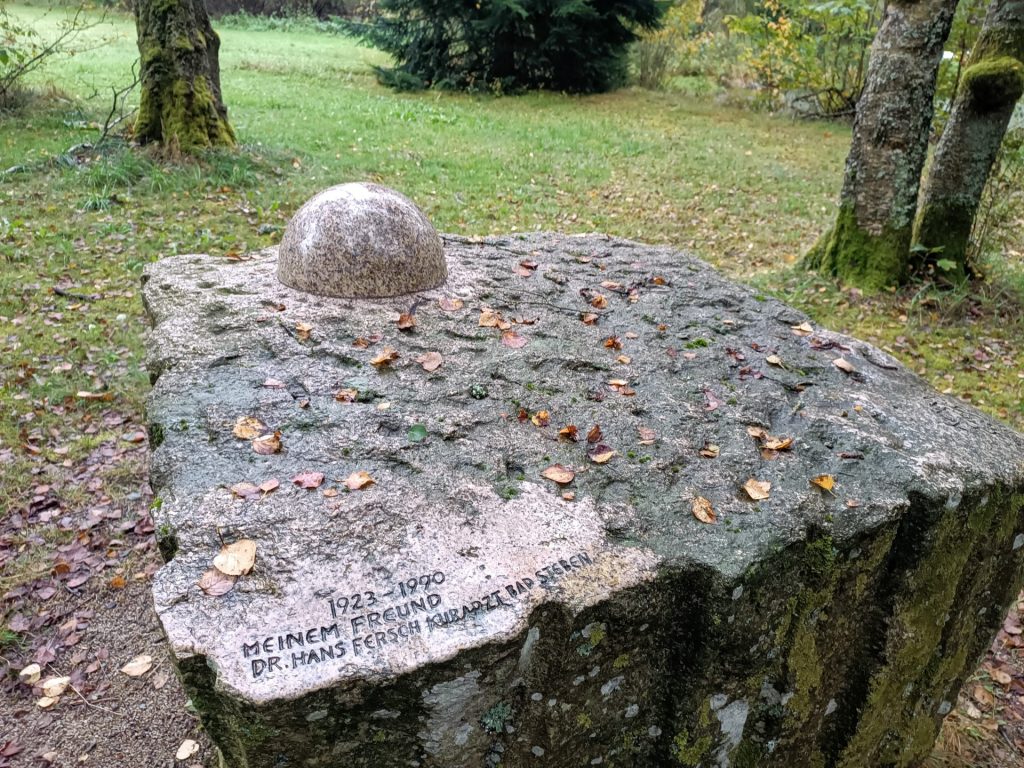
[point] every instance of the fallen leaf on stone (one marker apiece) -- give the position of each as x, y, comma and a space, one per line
118, 582
267, 445
774, 360
804, 329
361, 343
489, 318
46, 702
600, 453
758, 433
659, 280
358, 480
308, 479
599, 301
568, 495
711, 400
244, 490
236, 558
269, 485
249, 428
406, 321
525, 268
589, 318
703, 510
559, 474
186, 750
852, 503
827, 482
624, 359
710, 451
216, 583
757, 489
346, 395
274, 384
30, 674
843, 365
138, 666
613, 342
386, 357
595, 434
647, 435
417, 433
330, 493
55, 686
541, 419
569, 432
513, 340
778, 443
611, 285
430, 361
302, 330
450, 305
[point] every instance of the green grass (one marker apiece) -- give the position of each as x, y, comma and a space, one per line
745, 191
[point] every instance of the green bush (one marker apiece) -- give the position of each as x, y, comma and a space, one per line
578, 46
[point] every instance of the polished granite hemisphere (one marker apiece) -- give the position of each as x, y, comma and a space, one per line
623, 512
360, 240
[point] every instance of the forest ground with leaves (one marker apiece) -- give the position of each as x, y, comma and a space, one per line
746, 191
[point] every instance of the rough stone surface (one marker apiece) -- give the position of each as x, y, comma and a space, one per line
360, 240
810, 628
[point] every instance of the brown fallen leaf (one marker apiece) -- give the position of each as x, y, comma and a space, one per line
347, 395
45, 702
541, 419
386, 357
450, 305
559, 474
359, 480
804, 329
138, 666
758, 433
647, 435
624, 359
852, 503
513, 340
600, 453
710, 451
568, 495
249, 428
244, 490
269, 485
774, 360
613, 342
589, 318
703, 510
489, 318
595, 434
1000, 677
778, 443
266, 445
302, 331
236, 558
757, 489
30, 675
330, 493
215, 583
430, 361
569, 432
826, 482
118, 582
309, 480
611, 285
406, 321
844, 365
659, 280
599, 301
982, 696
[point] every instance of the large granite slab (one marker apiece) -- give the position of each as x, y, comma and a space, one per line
464, 610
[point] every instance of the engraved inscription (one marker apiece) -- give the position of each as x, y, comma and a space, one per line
368, 622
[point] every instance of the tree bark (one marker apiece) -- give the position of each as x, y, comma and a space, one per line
181, 102
993, 82
869, 245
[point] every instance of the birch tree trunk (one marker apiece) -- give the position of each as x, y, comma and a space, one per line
181, 101
993, 82
869, 245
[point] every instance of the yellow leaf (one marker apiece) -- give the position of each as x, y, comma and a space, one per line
757, 489
600, 453
237, 558
827, 482
703, 510
359, 480
386, 357
406, 321
249, 428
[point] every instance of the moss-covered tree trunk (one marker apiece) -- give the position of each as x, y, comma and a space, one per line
181, 101
993, 82
869, 244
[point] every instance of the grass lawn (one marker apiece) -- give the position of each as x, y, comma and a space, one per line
746, 191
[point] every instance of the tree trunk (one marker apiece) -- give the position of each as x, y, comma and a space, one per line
181, 101
869, 245
993, 81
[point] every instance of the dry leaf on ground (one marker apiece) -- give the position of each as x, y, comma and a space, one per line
430, 361
703, 510
186, 750
359, 480
600, 453
236, 558
267, 445
827, 482
138, 666
249, 428
559, 474
757, 489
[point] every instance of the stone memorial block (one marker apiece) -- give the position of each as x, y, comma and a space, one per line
585, 503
